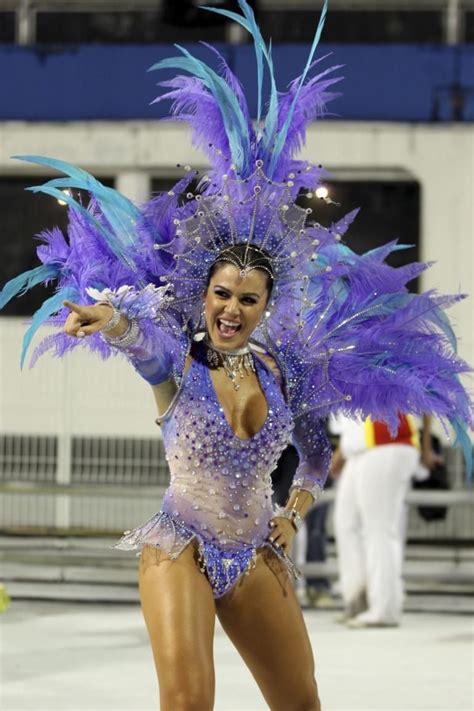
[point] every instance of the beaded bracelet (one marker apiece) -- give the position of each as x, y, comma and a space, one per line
128, 337
114, 319
293, 516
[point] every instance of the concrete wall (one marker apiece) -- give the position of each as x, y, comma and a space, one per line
84, 396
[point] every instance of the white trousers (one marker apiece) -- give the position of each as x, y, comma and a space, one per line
369, 521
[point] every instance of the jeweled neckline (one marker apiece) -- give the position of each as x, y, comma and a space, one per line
236, 352
259, 368
236, 364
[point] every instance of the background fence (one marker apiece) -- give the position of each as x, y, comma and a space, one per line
115, 483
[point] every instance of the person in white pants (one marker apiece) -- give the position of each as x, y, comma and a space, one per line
369, 516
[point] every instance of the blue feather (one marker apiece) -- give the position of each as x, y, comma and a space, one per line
260, 50
464, 441
271, 119
67, 198
387, 248
118, 210
48, 308
234, 120
250, 24
59, 165
282, 134
26, 281
445, 326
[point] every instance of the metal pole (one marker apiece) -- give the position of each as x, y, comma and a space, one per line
63, 501
25, 23
234, 33
453, 22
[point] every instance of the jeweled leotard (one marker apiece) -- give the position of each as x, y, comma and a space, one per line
220, 491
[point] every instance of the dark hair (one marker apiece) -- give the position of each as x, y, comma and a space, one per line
239, 253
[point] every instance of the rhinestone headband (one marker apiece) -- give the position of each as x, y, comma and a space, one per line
248, 263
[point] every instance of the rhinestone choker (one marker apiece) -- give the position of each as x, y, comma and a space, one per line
236, 364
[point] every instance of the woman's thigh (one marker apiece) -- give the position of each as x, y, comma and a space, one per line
179, 611
263, 619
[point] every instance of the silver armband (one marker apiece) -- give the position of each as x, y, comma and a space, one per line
127, 338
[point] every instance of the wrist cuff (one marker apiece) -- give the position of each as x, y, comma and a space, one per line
129, 337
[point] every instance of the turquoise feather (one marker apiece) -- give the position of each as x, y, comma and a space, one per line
248, 22
271, 119
463, 440
282, 134
26, 281
65, 197
118, 210
234, 120
48, 308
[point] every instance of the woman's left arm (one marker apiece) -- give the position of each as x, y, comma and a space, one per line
314, 452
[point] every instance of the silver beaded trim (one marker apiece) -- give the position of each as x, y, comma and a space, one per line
129, 337
114, 319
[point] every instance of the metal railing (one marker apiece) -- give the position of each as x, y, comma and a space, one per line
113, 483
26, 11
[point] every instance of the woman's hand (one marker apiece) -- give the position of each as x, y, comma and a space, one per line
282, 533
85, 320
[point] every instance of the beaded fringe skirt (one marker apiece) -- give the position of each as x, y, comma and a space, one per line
222, 567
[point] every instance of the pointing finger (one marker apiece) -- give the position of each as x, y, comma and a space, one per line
74, 307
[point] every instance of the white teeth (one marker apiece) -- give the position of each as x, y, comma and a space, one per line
228, 327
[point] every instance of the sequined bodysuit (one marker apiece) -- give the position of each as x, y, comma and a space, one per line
220, 491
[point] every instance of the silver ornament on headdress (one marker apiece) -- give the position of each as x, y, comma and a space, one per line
255, 211
252, 259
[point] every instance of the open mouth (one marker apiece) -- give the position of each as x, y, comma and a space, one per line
227, 328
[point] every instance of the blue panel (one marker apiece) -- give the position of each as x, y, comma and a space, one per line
382, 82
466, 78
386, 82
85, 82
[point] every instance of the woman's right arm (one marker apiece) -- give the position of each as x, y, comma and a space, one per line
140, 344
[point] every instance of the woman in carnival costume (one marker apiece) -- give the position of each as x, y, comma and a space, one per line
252, 323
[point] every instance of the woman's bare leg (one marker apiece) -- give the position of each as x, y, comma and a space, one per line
263, 619
179, 611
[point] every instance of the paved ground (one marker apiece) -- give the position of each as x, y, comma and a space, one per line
91, 657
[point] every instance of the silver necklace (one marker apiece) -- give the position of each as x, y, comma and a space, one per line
236, 364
